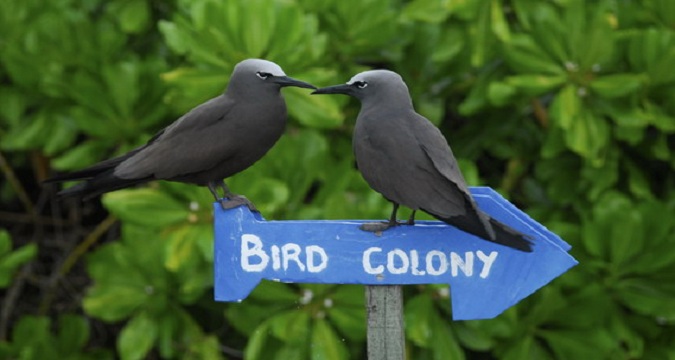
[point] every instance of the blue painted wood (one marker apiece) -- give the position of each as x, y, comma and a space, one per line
485, 278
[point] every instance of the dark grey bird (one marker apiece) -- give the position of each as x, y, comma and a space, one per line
213, 141
404, 157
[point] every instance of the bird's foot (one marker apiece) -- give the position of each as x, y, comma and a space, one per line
236, 201
377, 227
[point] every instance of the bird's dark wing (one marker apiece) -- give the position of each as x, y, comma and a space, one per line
472, 220
442, 188
192, 144
438, 151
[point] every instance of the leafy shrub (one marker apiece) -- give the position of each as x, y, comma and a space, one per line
566, 107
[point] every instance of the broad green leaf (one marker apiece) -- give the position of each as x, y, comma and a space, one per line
500, 26
525, 348
13, 105
247, 316
175, 38
5, 242
73, 333
114, 303
431, 11
10, 261
63, 136
257, 29
291, 326
482, 36
137, 337
419, 312
349, 295
206, 348
617, 85
653, 298
167, 327
472, 338
313, 111
132, 15
579, 344
534, 85
638, 182
501, 93
588, 135
526, 57
257, 345
566, 107
449, 46
443, 341
272, 291
326, 345
146, 206
29, 134
80, 156
30, 331
182, 249
349, 321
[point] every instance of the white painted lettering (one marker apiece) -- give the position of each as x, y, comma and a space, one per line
415, 263
290, 252
391, 262
442, 260
456, 262
367, 267
251, 246
276, 259
314, 249
487, 260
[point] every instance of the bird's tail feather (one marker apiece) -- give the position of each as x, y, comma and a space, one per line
505, 235
91, 171
487, 228
101, 184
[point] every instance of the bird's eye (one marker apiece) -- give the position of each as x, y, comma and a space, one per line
360, 84
263, 75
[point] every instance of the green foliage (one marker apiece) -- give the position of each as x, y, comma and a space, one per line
10, 260
566, 107
32, 339
307, 321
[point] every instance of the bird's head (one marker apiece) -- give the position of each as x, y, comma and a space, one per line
372, 85
260, 75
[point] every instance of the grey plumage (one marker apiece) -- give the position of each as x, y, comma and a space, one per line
403, 156
213, 141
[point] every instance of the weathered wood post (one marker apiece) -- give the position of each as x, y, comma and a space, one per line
386, 329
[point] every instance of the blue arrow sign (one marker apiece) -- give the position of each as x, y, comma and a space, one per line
485, 278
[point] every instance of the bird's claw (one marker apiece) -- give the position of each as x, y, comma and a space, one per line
377, 227
236, 201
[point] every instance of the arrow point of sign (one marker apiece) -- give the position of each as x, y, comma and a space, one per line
473, 300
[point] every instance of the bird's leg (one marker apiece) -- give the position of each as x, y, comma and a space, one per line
231, 200
226, 190
411, 219
212, 189
381, 226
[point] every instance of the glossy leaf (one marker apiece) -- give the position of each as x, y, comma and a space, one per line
326, 344
137, 337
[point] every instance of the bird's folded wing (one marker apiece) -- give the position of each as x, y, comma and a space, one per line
438, 151
192, 144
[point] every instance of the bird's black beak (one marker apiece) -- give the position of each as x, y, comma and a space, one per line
289, 81
335, 89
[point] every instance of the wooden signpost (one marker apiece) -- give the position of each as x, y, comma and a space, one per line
485, 278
